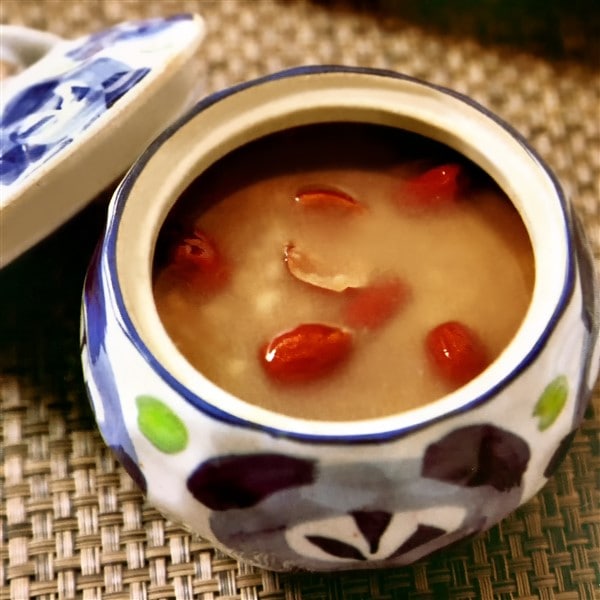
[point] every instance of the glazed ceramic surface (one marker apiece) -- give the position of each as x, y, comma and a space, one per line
77, 113
285, 493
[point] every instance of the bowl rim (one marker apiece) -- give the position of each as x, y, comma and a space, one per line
305, 433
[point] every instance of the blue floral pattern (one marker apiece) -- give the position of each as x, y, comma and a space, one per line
133, 30
93, 348
44, 118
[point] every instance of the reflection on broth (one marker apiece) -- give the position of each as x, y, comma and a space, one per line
342, 271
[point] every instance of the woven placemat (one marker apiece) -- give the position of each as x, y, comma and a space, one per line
73, 525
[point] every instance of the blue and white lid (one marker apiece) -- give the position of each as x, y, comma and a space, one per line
77, 113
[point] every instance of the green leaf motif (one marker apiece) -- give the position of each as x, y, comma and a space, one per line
160, 425
551, 402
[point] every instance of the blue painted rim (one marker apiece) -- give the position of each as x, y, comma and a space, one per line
376, 437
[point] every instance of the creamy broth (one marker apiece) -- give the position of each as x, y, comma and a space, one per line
468, 261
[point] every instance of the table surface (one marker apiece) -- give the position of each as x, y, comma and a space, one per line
73, 525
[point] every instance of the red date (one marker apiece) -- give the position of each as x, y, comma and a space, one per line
372, 306
328, 198
456, 352
308, 352
197, 260
436, 187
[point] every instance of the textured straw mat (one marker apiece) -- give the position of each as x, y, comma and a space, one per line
74, 525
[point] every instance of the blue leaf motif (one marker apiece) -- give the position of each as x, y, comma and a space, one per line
114, 429
46, 117
132, 30
31, 100
119, 83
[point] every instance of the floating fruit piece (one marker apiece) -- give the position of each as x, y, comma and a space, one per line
328, 198
197, 259
160, 425
307, 352
551, 402
306, 268
372, 306
437, 186
456, 352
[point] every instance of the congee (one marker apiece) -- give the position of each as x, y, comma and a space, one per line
342, 271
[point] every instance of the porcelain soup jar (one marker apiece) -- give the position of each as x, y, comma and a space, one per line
286, 493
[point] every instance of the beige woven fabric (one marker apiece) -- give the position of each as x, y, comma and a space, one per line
73, 524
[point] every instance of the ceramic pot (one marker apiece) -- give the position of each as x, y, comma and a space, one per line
287, 493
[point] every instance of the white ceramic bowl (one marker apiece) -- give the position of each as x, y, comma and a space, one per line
287, 493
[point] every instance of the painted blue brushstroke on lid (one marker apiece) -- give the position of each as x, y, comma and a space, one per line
46, 116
